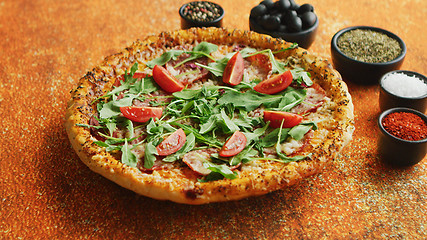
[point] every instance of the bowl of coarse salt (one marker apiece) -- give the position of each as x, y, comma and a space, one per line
403, 88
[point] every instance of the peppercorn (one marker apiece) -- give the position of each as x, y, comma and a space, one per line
202, 11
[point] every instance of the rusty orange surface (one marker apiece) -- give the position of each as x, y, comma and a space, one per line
46, 192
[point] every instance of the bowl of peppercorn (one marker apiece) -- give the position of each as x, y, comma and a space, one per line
285, 19
201, 14
363, 54
403, 139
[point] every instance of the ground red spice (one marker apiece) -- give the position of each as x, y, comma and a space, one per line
405, 125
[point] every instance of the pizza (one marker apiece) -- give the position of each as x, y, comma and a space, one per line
209, 115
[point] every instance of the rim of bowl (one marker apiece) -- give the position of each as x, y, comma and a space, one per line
291, 34
334, 43
181, 13
400, 109
408, 73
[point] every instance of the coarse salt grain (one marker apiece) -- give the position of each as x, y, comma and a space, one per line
404, 85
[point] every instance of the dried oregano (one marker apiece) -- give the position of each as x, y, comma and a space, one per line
369, 46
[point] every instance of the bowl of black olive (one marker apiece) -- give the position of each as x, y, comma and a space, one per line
285, 19
363, 54
201, 14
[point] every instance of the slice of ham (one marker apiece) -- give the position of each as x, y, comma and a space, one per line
200, 74
315, 98
261, 63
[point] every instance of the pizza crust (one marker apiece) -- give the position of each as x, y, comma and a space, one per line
254, 179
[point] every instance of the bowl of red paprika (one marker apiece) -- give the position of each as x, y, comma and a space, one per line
403, 140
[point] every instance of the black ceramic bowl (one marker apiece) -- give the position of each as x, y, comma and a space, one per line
398, 152
388, 99
304, 38
364, 72
186, 22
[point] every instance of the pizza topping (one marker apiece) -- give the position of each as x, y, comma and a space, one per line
233, 72
275, 84
234, 145
282, 119
195, 160
172, 143
220, 128
166, 80
316, 95
141, 114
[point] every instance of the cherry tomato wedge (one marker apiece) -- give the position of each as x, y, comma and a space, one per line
234, 145
166, 80
275, 84
233, 72
276, 118
172, 143
141, 114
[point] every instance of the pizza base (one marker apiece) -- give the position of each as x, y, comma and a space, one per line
172, 185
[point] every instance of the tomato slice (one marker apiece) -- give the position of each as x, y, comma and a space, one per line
172, 143
233, 72
235, 144
166, 80
276, 118
141, 114
275, 84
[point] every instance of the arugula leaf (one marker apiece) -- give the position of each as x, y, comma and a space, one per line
129, 126
300, 130
204, 49
272, 138
128, 157
291, 98
243, 156
109, 110
111, 126
164, 58
209, 125
228, 126
249, 100
213, 176
222, 169
301, 76
149, 155
255, 134
210, 141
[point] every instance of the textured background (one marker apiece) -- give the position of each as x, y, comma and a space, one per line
46, 192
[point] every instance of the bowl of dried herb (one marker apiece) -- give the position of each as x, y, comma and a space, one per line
201, 14
403, 139
363, 54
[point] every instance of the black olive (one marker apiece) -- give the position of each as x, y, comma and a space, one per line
295, 24
308, 19
294, 5
258, 10
305, 8
268, 3
282, 28
283, 5
288, 16
263, 18
271, 23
